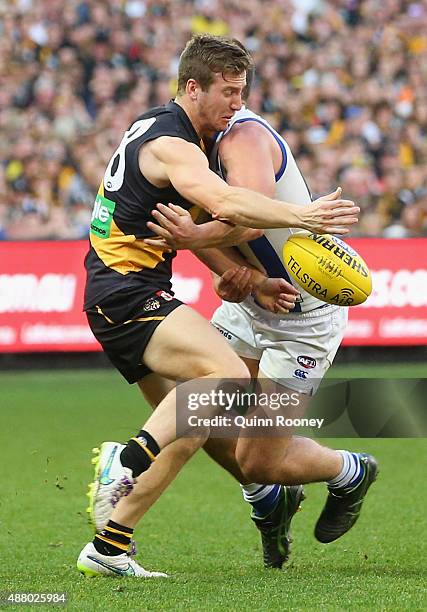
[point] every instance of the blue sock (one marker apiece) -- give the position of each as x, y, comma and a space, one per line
263, 498
351, 474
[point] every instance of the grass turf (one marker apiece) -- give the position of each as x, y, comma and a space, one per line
199, 531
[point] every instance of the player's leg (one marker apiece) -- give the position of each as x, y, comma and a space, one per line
285, 458
182, 346
312, 339
263, 498
302, 460
186, 347
151, 484
273, 505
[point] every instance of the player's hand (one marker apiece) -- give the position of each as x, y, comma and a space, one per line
175, 228
276, 295
234, 285
329, 214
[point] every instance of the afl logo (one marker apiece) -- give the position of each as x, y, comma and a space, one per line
306, 362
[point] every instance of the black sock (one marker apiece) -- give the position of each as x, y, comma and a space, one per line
139, 453
113, 540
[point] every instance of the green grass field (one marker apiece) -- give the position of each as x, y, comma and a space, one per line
200, 530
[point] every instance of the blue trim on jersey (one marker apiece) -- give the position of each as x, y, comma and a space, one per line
272, 263
283, 165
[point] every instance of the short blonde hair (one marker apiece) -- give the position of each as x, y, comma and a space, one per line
205, 55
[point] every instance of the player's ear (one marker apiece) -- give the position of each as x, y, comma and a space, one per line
192, 89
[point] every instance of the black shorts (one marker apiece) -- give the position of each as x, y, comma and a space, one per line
123, 324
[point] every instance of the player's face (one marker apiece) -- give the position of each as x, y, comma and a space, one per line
217, 105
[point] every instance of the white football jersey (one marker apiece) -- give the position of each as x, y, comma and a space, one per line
265, 253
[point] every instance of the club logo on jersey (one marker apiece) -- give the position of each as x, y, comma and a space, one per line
165, 295
102, 216
151, 304
300, 374
306, 362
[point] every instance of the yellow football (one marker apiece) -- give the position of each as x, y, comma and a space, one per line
327, 268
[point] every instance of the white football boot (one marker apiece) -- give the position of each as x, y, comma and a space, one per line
91, 564
112, 482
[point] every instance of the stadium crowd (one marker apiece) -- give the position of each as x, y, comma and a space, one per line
342, 80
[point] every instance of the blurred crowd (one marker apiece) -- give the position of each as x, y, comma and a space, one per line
343, 80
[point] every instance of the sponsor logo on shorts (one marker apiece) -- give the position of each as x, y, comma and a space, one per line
225, 333
151, 304
165, 295
306, 362
300, 374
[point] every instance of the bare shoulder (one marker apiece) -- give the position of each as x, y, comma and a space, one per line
248, 134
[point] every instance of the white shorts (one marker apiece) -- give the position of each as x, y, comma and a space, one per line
295, 350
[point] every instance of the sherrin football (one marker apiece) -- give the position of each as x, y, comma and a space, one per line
327, 268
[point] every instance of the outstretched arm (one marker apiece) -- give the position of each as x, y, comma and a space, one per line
187, 169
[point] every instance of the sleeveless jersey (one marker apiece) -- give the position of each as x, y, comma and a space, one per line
265, 253
118, 258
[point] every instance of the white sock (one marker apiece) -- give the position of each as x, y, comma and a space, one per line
263, 498
351, 473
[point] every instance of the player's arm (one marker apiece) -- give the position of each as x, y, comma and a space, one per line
247, 155
187, 169
235, 279
221, 260
176, 229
